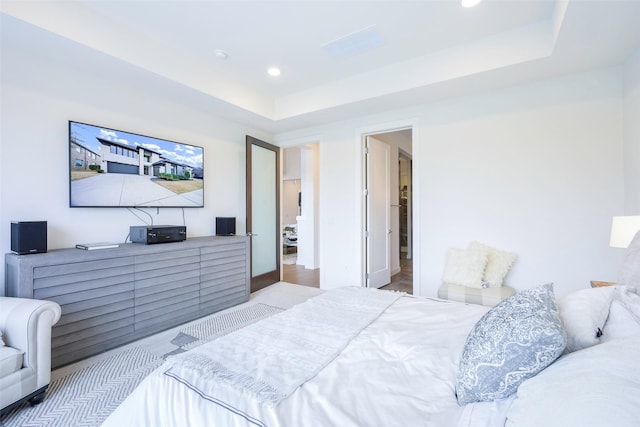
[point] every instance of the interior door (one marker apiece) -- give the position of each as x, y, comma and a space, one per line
263, 217
378, 215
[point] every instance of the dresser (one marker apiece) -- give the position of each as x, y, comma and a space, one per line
110, 297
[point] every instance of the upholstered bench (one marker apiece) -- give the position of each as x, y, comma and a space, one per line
482, 296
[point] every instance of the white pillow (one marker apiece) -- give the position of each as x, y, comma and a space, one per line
498, 264
584, 314
624, 315
597, 386
2, 344
465, 267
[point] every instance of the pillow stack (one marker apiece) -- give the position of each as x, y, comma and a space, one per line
478, 266
595, 315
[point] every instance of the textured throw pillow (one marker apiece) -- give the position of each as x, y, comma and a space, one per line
584, 314
629, 273
512, 342
498, 264
465, 267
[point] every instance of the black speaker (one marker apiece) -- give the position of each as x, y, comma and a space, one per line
28, 237
225, 226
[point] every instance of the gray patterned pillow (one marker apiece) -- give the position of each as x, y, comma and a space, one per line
512, 342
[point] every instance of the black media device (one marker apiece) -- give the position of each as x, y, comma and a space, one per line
151, 234
225, 226
28, 237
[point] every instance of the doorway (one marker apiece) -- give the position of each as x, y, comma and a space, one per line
398, 250
300, 214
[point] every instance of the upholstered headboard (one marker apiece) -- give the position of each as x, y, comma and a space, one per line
629, 273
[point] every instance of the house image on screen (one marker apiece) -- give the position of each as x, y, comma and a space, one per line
122, 158
83, 158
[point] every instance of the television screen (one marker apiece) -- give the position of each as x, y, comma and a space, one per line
112, 168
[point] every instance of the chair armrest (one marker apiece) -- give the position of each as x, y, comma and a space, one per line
26, 325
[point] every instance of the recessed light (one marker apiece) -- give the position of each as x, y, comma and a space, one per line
273, 71
221, 54
470, 3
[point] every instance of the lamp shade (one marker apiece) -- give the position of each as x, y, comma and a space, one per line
623, 229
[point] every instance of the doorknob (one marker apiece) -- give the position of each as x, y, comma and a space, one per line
389, 231
250, 234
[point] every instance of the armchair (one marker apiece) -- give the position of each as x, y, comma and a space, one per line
25, 362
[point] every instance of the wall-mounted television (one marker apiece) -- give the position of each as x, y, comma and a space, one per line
113, 168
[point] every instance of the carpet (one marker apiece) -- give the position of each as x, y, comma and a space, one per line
87, 396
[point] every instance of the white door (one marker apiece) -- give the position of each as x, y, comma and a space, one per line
378, 199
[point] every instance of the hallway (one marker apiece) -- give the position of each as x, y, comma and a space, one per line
402, 281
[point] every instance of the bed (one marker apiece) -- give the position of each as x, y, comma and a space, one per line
365, 357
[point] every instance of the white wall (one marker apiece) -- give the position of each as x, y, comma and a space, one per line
538, 169
632, 134
41, 92
290, 210
535, 169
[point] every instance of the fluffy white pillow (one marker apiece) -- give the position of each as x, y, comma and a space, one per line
597, 386
498, 264
465, 267
584, 314
624, 315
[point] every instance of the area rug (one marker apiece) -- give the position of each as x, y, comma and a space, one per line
87, 396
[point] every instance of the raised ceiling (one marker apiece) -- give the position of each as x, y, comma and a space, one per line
411, 51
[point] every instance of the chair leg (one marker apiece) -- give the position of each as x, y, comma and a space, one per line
39, 397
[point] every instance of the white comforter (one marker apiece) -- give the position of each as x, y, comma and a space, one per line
399, 371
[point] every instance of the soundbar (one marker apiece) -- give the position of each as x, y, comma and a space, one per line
152, 234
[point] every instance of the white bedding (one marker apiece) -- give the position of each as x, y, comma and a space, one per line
399, 371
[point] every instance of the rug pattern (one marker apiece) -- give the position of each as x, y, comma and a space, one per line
216, 326
87, 396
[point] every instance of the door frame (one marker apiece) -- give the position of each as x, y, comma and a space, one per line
273, 276
361, 134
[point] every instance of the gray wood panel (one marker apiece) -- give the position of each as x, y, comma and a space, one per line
113, 296
72, 329
64, 299
71, 286
77, 268
100, 310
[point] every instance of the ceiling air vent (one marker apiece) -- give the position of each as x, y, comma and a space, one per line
354, 43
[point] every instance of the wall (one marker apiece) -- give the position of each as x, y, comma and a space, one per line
42, 90
290, 210
536, 169
632, 134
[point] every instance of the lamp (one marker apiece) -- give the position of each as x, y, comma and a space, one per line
623, 229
